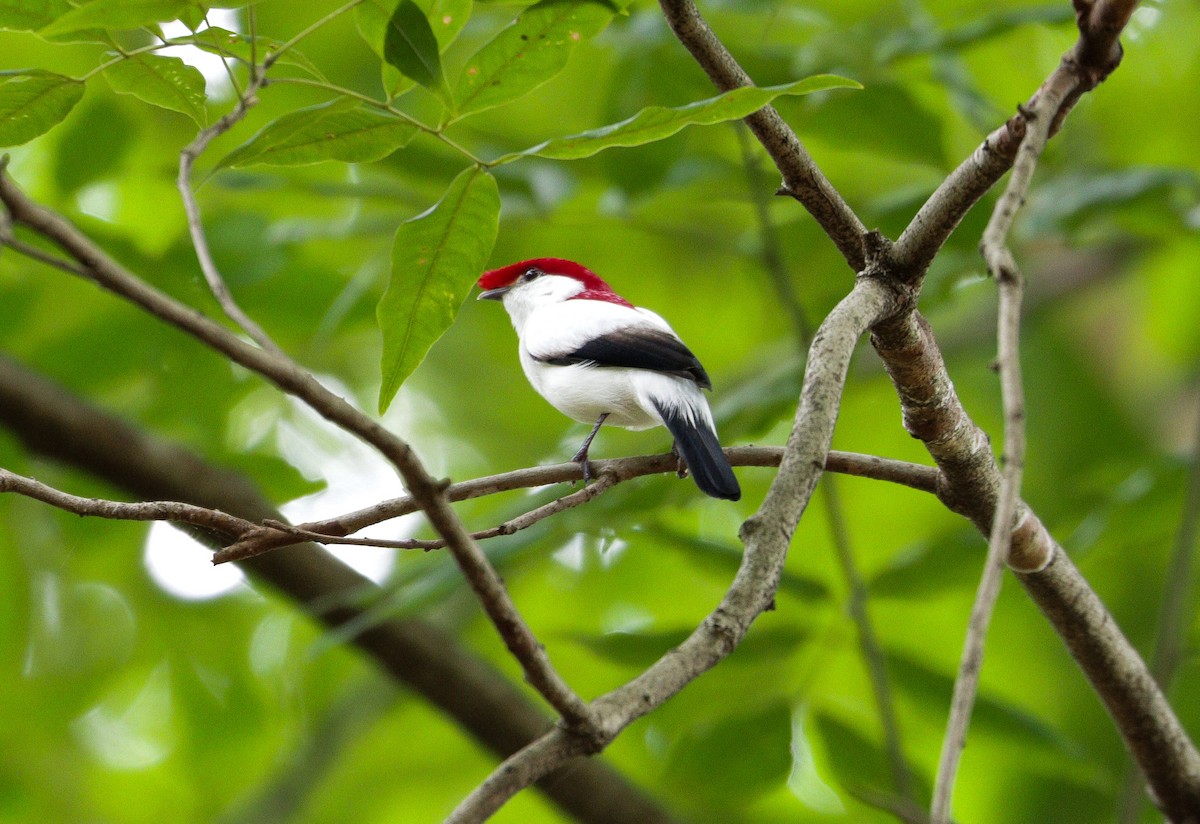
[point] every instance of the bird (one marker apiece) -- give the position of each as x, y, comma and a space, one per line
599, 359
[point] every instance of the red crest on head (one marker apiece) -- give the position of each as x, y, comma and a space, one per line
594, 288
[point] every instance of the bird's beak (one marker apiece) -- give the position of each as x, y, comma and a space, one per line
493, 294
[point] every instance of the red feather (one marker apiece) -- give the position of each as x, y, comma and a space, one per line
594, 287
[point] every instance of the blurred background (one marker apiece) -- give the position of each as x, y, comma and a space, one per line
141, 684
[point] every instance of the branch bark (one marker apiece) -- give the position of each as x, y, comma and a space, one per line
1003, 268
971, 483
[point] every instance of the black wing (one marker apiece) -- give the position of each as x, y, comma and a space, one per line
634, 348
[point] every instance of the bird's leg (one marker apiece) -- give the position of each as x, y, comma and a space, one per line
681, 467
581, 457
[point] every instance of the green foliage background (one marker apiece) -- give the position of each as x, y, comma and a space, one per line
123, 703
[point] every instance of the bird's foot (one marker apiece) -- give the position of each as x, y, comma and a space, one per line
681, 467
581, 458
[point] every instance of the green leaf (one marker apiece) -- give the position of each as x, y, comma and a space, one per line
167, 82
929, 569
658, 122
32, 102
436, 258
527, 53
116, 15
856, 760
409, 45
30, 15
849, 120
94, 144
446, 19
344, 130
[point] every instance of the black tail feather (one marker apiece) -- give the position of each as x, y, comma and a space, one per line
702, 452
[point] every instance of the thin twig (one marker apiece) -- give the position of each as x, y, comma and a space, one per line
121, 511
1003, 267
903, 809
523, 521
1094, 56
521, 769
1174, 616
187, 158
56, 424
868, 643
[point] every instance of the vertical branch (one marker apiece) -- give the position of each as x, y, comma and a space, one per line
868, 641
212, 275
190, 153
1175, 616
1008, 277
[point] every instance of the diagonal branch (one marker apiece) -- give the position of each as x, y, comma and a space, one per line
802, 179
1095, 54
179, 512
970, 486
291, 378
190, 153
1174, 617
208, 266
868, 639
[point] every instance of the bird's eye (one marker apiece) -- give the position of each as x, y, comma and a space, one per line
530, 274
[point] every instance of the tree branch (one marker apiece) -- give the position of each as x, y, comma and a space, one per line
187, 158
802, 179
55, 423
868, 641
1003, 267
970, 486
616, 470
1096, 53
255, 539
1174, 617
291, 378
184, 513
